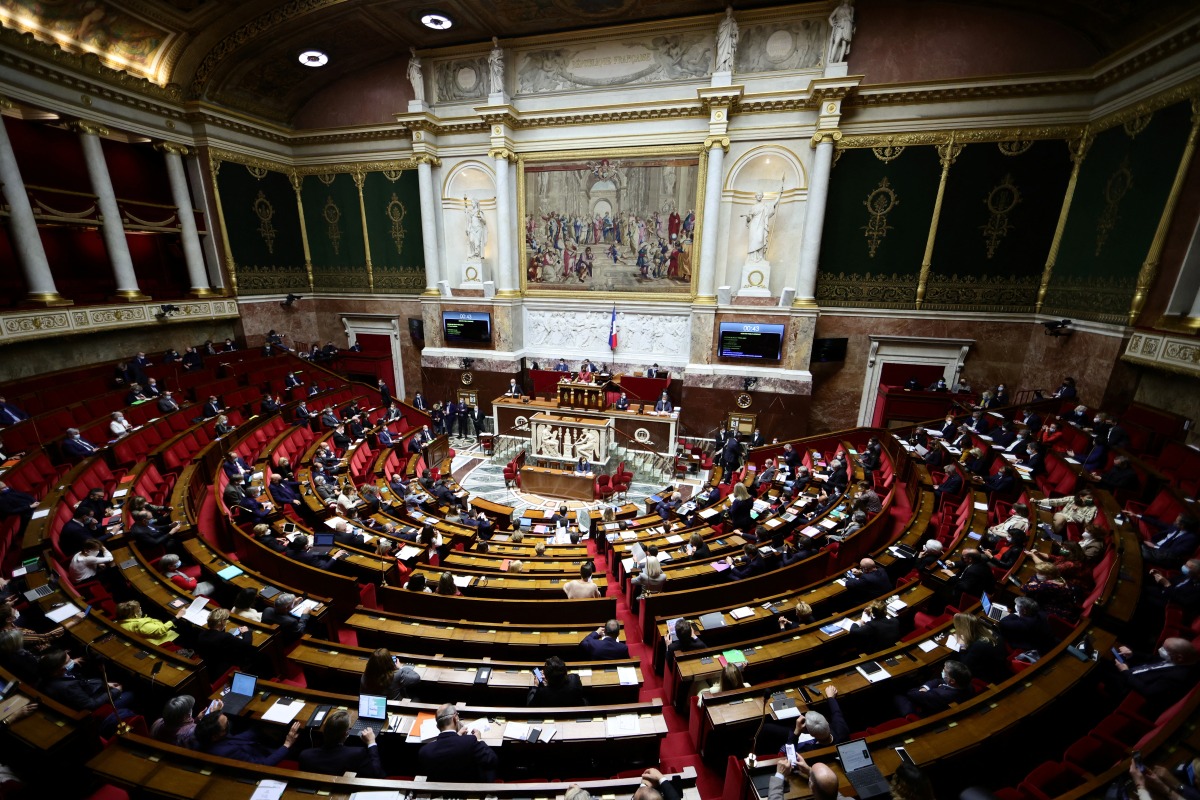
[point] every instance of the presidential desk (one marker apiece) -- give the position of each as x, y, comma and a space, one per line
655, 432
558, 483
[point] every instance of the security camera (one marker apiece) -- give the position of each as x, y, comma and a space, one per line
289, 300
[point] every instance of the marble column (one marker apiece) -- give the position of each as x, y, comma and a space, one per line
814, 223
111, 228
717, 146
433, 272
505, 273
26, 239
193, 256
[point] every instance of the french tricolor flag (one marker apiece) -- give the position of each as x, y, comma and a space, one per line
612, 330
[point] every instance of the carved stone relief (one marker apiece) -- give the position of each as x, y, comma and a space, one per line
460, 79
674, 57
775, 47
555, 332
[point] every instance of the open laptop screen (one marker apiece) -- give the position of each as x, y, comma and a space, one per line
372, 707
323, 540
854, 755
987, 603
243, 684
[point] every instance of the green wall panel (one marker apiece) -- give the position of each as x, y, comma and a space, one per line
263, 226
393, 202
999, 213
1119, 199
333, 220
873, 259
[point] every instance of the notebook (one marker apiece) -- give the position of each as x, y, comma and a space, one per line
241, 692
861, 771
372, 713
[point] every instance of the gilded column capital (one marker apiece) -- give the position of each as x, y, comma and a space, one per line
427, 158
502, 152
5, 103
717, 141
171, 148
830, 135
84, 126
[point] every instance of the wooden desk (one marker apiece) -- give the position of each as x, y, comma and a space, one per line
558, 483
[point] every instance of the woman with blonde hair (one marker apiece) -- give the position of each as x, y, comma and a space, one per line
651, 578
979, 648
385, 676
131, 618
740, 508
516, 566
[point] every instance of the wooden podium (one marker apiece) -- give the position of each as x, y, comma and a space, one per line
436, 451
572, 394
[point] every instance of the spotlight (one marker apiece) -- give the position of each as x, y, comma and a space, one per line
439, 22
313, 58
289, 300
1058, 327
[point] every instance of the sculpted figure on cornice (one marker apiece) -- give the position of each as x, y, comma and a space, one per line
674, 57
414, 75
727, 42
581, 331
842, 23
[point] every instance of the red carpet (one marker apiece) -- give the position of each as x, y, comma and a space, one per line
677, 750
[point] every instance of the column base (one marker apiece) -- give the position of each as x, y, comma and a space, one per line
705, 300
130, 296
805, 302
202, 294
431, 292
46, 300
507, 293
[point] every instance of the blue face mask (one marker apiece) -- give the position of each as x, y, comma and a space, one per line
70, 665
1187, 572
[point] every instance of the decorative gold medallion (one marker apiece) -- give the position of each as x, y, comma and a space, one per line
1119, 183
744, 400
467, 378
1001, 200
333, 215
888, 153
265, 211
396, 212
879, 203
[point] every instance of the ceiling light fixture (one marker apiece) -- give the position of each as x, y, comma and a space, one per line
313, 58
439, 22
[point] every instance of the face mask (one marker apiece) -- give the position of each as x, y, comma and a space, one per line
1087, 501
70, 665
1187, 572
1163, 654
1096, 420
1053, 428
945, 678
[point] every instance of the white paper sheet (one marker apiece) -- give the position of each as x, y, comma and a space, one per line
283, 712
622, 725
269, 790
63, 612
742, 613
627, 676
927, 645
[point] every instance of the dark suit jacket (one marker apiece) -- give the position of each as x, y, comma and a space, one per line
837, 727
875, 635
14, 502
974, 579
1161, 686
1027, 633
739, 513
77, 448
451, 757
869, 585
222, 650
245, 746
84, 694
149, 536
952, 485
598, 648
291, 627
938, 698
167, 404
569, 693
336, 760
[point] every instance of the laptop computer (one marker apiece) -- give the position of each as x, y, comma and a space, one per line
241, 692
322, 543
372, 713
861, 771
994, 610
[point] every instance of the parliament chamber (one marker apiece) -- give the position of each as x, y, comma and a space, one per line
599, 399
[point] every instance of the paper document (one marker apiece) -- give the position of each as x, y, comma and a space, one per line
65, 611
45, 512
269, 790
622, 725
195, 613
627, 676
953, 643
407, 552
283, 711
927, 645
742, 613
304, 607
462, 581
428, 730
981, 507
516, 730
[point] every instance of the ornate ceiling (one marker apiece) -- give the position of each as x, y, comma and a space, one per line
243, 53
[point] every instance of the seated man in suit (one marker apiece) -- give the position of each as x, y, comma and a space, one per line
1027, 628
813, 729
952, 686
1163, 678
146, 534
622, 403
236, 468
269, 405
654, 372
212, 732
283, 494
867, 582
166, 403
10, 414
1182, 591
974, 575
1120, 478
300, 549
663, 406
255, 508
938, 386
456, 755
335, 758
604, 643
211, 408
561, 366
291, 625
222, 649
953, 484
76, 447
1173, 544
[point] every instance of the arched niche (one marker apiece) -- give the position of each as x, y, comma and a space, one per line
464, 182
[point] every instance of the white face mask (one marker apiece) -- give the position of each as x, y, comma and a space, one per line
1163, 654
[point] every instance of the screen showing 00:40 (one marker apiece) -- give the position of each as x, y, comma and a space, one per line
751, 341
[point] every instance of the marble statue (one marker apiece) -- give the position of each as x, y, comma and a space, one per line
727, 42
414, 75
547, 444
841, 22
496, 68
477, 231
588, 445
759, 220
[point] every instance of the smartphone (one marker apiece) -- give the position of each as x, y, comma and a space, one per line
1117, 655
1137, 760
790, 749
905, 757
537, 673
212, 707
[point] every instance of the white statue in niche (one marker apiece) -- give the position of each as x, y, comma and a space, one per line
496, 68
841, 23
414, 75
476, 230
588, 445
547, 444
727, 41
759, 220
